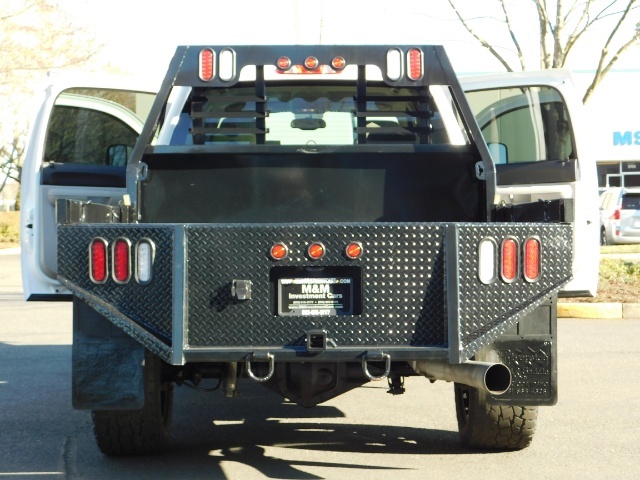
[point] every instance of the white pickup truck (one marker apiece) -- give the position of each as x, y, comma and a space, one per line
313, 218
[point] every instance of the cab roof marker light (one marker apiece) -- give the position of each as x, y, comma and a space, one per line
509, 260
145, 256
487, 253
414, 60
98, 260
338, 63
121, 260
311, 63
394, 64
227, 65
283, 63
206, 67
532, 263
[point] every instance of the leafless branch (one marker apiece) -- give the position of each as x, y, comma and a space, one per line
513, 36
482, 41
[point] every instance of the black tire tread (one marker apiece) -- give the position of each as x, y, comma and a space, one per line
494, 427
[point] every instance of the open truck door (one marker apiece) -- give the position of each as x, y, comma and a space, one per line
532, 124
78, 148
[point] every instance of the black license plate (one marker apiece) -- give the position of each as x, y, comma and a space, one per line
315, 296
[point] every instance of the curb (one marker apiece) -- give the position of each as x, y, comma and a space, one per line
599, 310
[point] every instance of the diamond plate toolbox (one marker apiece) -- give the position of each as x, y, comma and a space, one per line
415, 288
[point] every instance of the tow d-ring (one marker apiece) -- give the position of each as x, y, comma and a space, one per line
263, 357
383, 356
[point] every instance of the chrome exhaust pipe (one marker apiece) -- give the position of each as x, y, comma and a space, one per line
494, 378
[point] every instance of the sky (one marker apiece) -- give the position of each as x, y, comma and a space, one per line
141, 35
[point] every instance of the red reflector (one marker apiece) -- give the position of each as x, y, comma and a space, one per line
207, 58
509, 260
316, 251
279, 251
98, 260
338, 63
311, 63
354, 250
283, 63
121, 260
415, 64
532, 259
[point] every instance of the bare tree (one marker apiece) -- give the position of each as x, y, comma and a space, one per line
35, 36
561, 26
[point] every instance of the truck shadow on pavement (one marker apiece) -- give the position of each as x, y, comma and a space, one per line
212, 436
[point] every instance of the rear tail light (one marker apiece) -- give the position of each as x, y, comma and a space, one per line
227, 65
394, 64
121, 259
414, 59
532, 259
207, 64
98, 260
145, 255
616, 214
509, 260
487, 251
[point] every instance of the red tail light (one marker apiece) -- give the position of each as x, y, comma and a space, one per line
415, 64
509, 260
532, 259
207, 64
616, 214
121, 260
98, 260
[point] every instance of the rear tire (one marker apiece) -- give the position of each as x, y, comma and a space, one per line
603, 237
492, 427
138, 432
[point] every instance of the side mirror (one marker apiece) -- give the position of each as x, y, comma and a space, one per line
498, 153
118, 155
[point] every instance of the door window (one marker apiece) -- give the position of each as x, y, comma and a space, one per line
526, 124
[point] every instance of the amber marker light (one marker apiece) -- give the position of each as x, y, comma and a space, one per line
354, 250
338, 63
279, 251
316, 251
283, 63
311, 63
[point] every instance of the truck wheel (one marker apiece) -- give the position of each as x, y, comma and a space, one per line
136, 432
483, 426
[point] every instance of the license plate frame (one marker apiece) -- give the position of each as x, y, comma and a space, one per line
315, 296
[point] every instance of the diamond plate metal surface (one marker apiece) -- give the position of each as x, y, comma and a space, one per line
402, 277
486, 311
150, 305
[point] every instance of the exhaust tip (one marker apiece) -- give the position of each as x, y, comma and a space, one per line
497, 379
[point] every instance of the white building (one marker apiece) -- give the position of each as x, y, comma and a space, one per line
614, 126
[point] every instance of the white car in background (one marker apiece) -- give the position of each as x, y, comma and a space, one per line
620, 216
